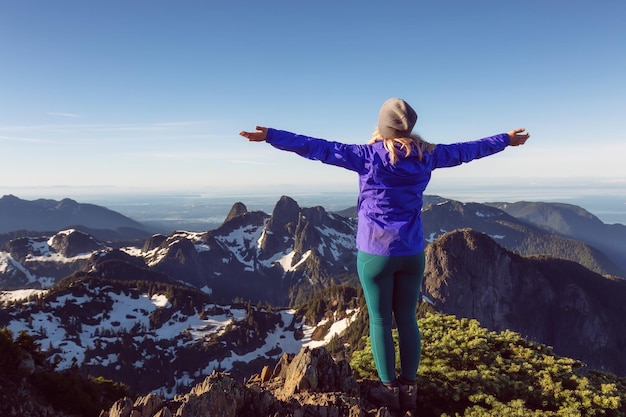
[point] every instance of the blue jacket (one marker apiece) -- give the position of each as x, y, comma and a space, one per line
390, 196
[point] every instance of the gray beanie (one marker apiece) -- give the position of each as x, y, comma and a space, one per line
396, 119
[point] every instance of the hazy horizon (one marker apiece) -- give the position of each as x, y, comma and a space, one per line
601, 197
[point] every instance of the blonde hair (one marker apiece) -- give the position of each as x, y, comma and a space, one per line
407, 144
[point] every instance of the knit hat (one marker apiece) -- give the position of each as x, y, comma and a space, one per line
396, 119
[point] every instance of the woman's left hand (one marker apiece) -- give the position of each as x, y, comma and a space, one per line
259, 136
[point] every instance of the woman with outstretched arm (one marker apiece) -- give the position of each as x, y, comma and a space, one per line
394, 169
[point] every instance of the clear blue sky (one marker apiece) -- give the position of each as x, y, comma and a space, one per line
149, 96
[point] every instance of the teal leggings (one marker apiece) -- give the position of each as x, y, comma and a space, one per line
391, 285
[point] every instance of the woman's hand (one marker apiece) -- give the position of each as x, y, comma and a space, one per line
259, 136
518, 137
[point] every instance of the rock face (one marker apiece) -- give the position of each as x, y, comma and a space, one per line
238, 209
281, 225
310, 383
557, 302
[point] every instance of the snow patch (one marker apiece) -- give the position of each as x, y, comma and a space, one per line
160, 300
19, 295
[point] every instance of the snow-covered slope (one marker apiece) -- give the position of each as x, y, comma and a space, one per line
161, 340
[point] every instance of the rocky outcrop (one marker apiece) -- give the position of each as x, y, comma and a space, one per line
238, 209
182, 258
154, 242
281, 226
71, 243
310, 383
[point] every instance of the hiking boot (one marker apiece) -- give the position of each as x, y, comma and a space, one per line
384, 395
408, 395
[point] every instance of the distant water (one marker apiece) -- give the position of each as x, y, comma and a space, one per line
201, 211
167, 213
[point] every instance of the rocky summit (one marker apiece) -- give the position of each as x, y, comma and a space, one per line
310, 383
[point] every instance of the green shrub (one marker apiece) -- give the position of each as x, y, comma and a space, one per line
70, 392
466, 370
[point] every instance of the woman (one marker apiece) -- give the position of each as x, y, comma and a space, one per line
394, 169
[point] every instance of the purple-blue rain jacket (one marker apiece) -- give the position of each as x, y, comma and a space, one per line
390, 196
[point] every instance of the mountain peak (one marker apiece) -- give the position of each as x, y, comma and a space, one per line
49, 215
237, 210
286, 205
68, 204
72, 242
285, 215
9, 198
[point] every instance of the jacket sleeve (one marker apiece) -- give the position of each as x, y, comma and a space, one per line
458, 153
332, 153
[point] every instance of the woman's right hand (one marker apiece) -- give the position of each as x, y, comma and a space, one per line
259, 136
518, 137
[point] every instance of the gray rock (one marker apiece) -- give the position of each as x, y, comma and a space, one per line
310, 383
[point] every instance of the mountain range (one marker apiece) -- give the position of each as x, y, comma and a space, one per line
165, 311
20, 217
572, 222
